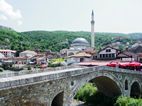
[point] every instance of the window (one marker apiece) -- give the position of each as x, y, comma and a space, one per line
126, 84
113, 56
108, 50
140, 59
81, 59
103, 55
100, 55
109, 55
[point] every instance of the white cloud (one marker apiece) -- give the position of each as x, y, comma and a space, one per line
3, 17
9, 12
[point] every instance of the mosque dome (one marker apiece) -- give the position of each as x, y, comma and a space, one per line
80, 42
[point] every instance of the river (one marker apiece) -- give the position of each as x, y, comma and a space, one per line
79, 103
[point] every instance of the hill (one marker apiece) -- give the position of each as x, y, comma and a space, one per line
136, 36
9, 38
57, 40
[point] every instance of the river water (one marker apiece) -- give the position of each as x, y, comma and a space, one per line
79, 103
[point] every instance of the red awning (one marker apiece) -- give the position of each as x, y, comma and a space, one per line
134, 64
113, 64
125, 64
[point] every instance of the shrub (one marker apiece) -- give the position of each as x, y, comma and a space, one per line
15, 69
1, 69
53, 65
127, 101
5, 67
29, 68
86, 92
55, 62
89, 94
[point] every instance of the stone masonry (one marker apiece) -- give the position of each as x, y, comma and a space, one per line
57, 88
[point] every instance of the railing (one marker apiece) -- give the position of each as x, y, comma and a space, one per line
117, 69
35, 70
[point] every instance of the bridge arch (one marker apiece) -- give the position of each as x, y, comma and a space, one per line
58, 99
135, 91
111, 83
107, 86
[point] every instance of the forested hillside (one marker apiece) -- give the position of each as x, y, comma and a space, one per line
56, 40
9, 38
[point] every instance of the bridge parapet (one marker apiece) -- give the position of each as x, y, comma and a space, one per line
33, 71
25, 72
15, 81
22, 80
116, 69
45, 87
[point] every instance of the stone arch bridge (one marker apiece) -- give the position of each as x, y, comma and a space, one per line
57, 88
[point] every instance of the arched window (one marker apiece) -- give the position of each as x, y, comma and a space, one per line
126, 84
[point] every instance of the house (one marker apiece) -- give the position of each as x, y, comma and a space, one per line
79, 57
139, 57
20, 60
27, 53
63, 52
50, 55
38, 59
127, 56
15, 60
8, 53
107, 53
137, 48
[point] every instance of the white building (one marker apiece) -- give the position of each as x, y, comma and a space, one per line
8, 53
79, 57
107, 53
27, 53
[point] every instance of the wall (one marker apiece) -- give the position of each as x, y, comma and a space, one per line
41, 89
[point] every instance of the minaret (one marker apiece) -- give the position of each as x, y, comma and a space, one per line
92, 31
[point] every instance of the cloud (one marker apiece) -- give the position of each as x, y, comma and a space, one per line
9, 12
3, 17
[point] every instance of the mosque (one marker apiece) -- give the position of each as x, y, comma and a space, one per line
81, 44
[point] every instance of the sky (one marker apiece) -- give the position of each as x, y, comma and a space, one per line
123, 16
